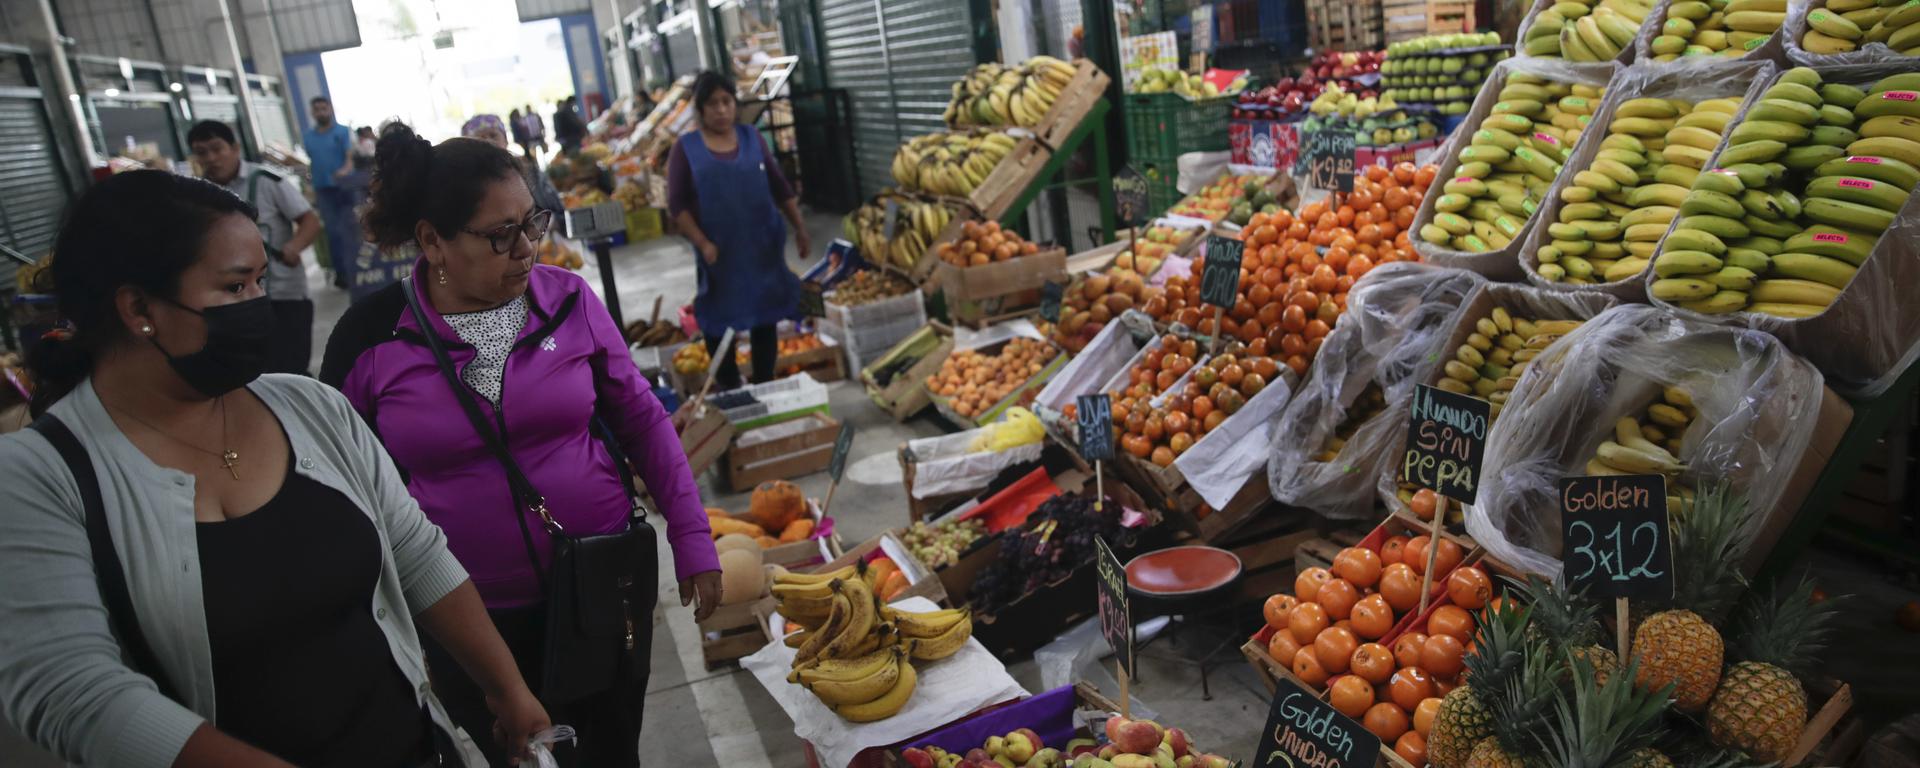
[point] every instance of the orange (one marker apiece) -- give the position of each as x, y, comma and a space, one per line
1307, 667
1390, 552
1442, 655
1372, 661
1448, 620
1469, 588
1338, 597
1400, 586
1423, 715
1372, 618
1386, 721
1358, 565
1334, 646
1307, 584
1306, 621
1276, 608
1406, 648
1282, 646
1443, 685
1423, 503
1408, 686
1351, 695
1411, 747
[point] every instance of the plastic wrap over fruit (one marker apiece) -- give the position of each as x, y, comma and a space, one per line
1017, 427
1753, 409
1396, 318
1795, 28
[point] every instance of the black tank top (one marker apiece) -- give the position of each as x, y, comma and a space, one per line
301, 669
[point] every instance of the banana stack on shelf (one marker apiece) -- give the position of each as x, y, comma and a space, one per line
1489, 365
1839, 26
1510, 162
917, 224
950, 163
1586, 31
1008, 96
1650, 445
1726, 28
855, 653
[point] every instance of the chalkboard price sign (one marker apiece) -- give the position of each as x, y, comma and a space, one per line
1613, 533
1094, 416
1304, 731
1446, 440
1220, 279
1050, 295
1329, 158
837, 466
892, 221
1130, 197
813, 302
1116, 618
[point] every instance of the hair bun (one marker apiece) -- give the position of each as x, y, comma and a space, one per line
402, 160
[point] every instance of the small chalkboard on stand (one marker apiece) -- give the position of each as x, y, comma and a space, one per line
1220, 278
1093, 415
837, 465
1614, 543
1116, 616
1304, 731
1130, 197
1050, 296
1446, 441
1329, 157
813, 302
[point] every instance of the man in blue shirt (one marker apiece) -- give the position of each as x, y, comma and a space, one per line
328, 144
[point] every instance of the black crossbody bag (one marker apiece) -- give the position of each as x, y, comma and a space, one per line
600, 590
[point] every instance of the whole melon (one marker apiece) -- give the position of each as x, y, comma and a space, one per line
741, 576
734, 541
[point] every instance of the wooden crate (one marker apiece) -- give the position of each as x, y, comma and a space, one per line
1404, 19
1334, 25
735, 631
990, 293
705, 434
928, 508
906, 394
922, 580
806, 450
1088, 86
1449, 16
1011, 177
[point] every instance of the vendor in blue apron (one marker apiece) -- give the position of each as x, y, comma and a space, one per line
288, 224
727, 195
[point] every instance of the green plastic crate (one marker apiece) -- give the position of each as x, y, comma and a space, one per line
1164, 126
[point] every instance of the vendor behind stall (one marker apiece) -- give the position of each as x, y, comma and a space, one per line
727, 196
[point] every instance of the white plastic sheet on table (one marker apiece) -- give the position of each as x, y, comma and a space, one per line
1396, 318
947, 690
1102, 359
1756, 402
1220, 463
945, 464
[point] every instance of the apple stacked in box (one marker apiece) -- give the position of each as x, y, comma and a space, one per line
1727, 28
1373, 121
1809, 181
1615, 212
1130, 744
1413, 74
1510, 161
1838, 26
1581, 31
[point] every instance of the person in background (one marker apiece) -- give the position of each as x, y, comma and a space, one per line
538, 355
488, 128
727, 195
568, 128
328, 144
363, 151
287, 225
536, 130
265, 577
517, 125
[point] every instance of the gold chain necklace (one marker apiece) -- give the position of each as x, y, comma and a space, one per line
229, 458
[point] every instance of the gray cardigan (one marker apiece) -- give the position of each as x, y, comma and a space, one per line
62, 681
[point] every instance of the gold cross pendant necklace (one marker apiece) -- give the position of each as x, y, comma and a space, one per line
229, 458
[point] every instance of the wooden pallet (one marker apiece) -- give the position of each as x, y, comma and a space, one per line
1445, 17
1088, 86
1404, 19
1343, 26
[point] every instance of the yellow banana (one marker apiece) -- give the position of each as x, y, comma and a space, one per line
888, 704
864, 689
1637, 461
861, 616
944, 644
1794, 291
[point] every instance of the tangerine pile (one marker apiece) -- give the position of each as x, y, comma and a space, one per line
1336, 631
1296, 269
1216, 389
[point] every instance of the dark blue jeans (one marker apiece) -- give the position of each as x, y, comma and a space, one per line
343, 227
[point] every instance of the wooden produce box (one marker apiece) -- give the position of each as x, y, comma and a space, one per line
705, 434
780, 451
929, 508
1088, 86
1404, 19
1011, 177
989, 293
1021, 395
735, 631
921, 579
906, 393
1334, 25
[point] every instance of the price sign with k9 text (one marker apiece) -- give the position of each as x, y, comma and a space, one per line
1613, 536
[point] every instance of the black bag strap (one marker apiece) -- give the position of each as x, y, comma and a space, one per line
121, 616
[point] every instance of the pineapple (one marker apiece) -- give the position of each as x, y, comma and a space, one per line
1760, 707
1604, 725
1646, 757
1463, 719
1679, 646
1566, 620
1520, 710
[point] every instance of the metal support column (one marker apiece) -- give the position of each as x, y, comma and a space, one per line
250, 121
63, 79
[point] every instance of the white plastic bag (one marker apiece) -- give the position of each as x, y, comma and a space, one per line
1756, 402
539, 745
1395, 318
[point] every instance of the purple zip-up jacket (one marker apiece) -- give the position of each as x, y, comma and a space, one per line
570, 363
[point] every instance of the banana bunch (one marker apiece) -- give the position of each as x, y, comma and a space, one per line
1854, 156
993, 95
1490, 363
920, 224
855, 654
1585, 31
1650, 445
950, 163
1615, 211
1509, 163
1727, 28
1844, 25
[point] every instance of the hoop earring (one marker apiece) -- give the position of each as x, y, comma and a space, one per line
442, 277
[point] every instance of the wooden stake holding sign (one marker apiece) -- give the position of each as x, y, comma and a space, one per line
1446, 441
1220, 278
1116, 617
837, 466
1613, 533
713, 370
1093, 414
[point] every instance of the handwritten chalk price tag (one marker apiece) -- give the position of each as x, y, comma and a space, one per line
1304, 731
1446, 440
1613, 534
1220, 278
1329, 157
1093, 414
1050, 295
837, 466
1130, 197
1116, 617
813, 302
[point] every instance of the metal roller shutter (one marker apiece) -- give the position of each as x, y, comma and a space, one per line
898, 59
226, 110
272, 112
33, 190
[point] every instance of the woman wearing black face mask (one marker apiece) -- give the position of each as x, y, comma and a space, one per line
177, 531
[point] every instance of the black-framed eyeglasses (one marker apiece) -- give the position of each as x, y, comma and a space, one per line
502, 238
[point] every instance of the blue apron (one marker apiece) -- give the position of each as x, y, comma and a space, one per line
750, 284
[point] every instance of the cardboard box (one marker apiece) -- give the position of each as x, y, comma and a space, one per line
1835, 416
920, 578
781, 451
988, 293
705, 434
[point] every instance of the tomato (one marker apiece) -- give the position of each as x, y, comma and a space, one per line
1358, 565
1307, 585
1337, 597
1350, 695
1386, 721
1469, 588
1442, 655
1306, 621
1276, 608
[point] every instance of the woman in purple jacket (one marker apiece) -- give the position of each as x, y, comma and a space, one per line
538, 353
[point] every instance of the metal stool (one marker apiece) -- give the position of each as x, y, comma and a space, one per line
1187, 584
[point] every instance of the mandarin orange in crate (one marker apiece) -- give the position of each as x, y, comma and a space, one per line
982, 244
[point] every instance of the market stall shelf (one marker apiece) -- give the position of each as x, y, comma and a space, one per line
1088, 87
